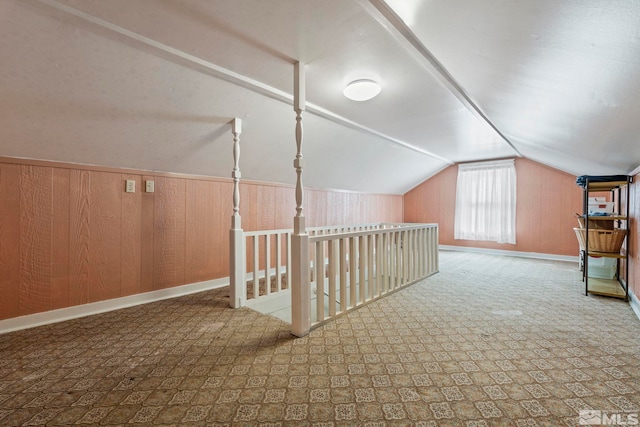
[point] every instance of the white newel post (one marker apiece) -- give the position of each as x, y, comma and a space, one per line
300, 295
237, 288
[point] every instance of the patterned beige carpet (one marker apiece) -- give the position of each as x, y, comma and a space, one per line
489, 341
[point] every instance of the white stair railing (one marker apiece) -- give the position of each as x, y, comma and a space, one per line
352, 269
347, 266
267, 254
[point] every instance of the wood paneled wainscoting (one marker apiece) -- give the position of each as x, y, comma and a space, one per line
70, 234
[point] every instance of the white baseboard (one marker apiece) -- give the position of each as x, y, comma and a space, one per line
634, 302
536, 255
60, 315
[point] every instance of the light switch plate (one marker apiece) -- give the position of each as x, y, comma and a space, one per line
149, 186
130, 186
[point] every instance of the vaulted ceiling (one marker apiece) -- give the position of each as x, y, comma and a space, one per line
154, 84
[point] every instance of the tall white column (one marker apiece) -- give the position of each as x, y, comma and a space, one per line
300, 294
237, 283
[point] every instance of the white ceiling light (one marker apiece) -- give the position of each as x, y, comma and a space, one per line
362, 90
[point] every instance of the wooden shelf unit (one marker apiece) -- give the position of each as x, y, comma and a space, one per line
606, 255
606, 218
607, 288
594, 186
617, 287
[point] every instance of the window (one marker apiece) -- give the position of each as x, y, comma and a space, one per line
486, 202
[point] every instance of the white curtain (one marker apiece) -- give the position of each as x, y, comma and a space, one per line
486, 201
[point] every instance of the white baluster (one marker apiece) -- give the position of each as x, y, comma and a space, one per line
419, 253
391, 256
386, 281
343, 275
278, 262
300, 295
288, 266
333, 249
407, 248
237, 267
398, 257
429, 247
353, 266
434, 247
362, 268
319, 268
413, 249
424, 269
371, 267
379, 264
298, 163
256, 262
267, 264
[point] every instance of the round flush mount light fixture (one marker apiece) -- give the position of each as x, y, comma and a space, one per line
362, 90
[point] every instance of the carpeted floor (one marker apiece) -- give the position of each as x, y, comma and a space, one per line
489, 341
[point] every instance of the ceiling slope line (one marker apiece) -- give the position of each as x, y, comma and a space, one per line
319, 111
209, 68
388, 18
